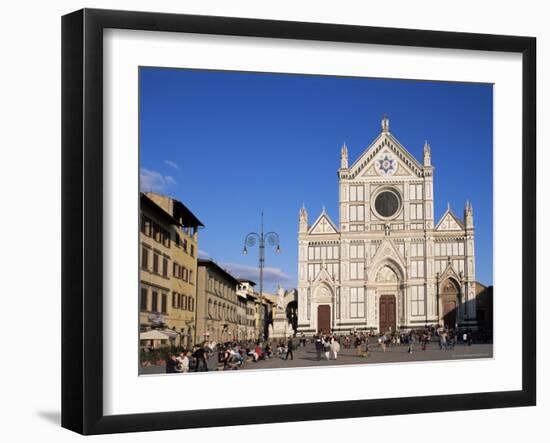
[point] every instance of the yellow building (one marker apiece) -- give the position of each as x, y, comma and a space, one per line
258, 309
241, 327
245, 291
169, 247
217, 304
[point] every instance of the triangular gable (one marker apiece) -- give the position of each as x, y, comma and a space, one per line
385, 158
449, 222
370, 172
386, 143
386, 251
323, 225
324, 276
403, 171
450, 272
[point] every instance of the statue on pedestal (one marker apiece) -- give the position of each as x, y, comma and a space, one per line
280, 322
280, 298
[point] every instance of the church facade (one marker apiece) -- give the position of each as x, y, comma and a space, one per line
388, 265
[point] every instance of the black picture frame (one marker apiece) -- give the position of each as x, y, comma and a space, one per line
82, 217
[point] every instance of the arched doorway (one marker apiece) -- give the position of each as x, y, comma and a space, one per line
387, 281
323, 318
323, 300
450, 293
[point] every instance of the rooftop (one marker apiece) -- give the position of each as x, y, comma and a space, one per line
147, 204
181, 213
213, 265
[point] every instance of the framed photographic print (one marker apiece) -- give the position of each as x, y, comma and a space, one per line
267, 205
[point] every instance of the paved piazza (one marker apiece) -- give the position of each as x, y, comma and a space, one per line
307, 357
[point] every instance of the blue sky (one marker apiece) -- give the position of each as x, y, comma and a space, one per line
231, 144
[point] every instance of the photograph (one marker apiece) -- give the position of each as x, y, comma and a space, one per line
275, 220
297, 220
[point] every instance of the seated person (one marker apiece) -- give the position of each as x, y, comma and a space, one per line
259, 352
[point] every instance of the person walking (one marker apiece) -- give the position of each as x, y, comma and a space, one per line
411, 342
289, 349
358, 351
326, 347
318, 347
335, 348
200, 358
383, 340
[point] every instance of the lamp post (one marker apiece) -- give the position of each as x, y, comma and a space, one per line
250, 240
437, 296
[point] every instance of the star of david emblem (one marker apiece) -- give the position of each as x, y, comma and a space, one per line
386, 165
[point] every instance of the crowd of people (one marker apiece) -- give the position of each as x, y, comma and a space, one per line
327, 345
235, 354
446, 338
362, 341
230, 355
195, 360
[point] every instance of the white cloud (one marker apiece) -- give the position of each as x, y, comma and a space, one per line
271, 275
153, 180
171, 164
203, 254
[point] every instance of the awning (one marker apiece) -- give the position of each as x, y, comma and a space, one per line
170, 333
153, 334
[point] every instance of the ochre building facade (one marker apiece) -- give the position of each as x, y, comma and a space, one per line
168, 268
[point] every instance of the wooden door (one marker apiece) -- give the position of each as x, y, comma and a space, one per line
387, 313
323, 318
449, 313
449, 302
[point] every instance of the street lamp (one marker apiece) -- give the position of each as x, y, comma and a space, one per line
250, 240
